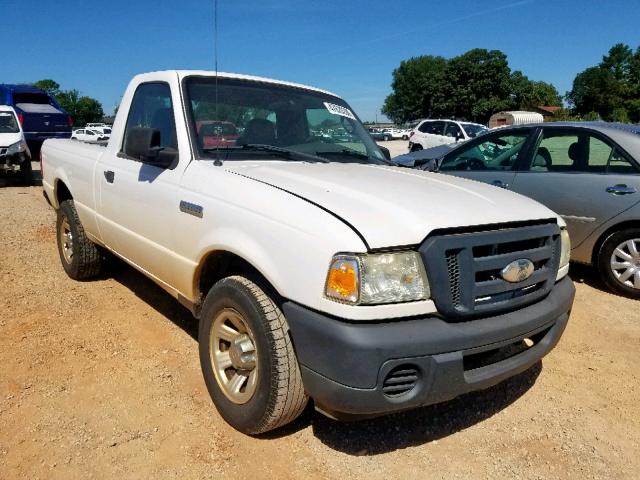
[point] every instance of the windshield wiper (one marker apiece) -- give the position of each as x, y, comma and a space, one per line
345, 152
259, 147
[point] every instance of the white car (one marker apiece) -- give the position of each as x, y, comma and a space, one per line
15, 157
395, 134
398, 288
431, 133
89, 135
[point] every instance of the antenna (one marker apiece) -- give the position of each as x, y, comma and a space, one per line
217, 161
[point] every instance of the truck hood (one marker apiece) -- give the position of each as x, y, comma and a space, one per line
394, 206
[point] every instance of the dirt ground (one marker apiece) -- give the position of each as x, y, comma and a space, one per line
101, 380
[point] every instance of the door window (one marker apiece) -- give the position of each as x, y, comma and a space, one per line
496, 153
574, 152
152, 108
453, 131
432, 128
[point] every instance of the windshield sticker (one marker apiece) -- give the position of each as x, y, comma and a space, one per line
339, 110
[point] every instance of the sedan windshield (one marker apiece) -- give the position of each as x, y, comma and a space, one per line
242, 118
8, 123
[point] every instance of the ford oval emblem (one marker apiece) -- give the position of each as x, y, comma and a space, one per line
517, 271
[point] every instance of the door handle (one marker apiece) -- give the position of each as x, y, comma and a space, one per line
500, 183
621, 189
109, 176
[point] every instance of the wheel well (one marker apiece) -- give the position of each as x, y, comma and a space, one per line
220, 264
611, 230
62, 192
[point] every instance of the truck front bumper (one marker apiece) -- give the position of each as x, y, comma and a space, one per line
367, 369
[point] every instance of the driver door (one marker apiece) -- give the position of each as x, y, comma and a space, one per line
492, 159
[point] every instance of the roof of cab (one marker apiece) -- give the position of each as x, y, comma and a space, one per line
208, 73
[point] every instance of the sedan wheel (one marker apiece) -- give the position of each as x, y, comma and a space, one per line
625, 263
619, 262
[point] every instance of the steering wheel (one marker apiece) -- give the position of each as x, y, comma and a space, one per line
474, 164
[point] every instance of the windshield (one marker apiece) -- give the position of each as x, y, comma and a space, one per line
473, 130
8, 123
250, 113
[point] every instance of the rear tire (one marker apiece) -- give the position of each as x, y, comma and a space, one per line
80, 257
619, 262
416, 147
257, 348
385, 138
26, 173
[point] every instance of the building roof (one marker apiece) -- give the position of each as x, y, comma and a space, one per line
548, 109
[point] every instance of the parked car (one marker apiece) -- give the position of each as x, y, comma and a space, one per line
587, 172
395, 134
89, 135
431, 133
377, 135
100, 127
397, 290
15, 157
217, 134
38, 113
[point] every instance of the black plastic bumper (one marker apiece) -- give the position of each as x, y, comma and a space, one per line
344, 364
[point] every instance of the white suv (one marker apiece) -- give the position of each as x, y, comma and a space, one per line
431, 133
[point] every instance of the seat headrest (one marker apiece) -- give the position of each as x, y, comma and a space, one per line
259, 131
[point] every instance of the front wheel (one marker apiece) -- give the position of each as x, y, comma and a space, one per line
247, 359
386, 138
619, 262
416, 147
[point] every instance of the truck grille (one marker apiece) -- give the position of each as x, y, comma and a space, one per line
464, 269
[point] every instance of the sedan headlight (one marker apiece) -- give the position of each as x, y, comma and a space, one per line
377, 278
565, 248
17, 147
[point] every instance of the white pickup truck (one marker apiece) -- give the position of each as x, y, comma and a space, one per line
316, 269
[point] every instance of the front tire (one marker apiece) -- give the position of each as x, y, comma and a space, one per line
386, 138
80, 257
416, 147
619, 262
247, 358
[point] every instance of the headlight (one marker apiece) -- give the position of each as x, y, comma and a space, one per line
17, 147
377, 279
565, 248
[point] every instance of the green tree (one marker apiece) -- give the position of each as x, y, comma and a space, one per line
417, 89
83, 109
50, 86
471, 86
611, 89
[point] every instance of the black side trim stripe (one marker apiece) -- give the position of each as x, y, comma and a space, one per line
355, 230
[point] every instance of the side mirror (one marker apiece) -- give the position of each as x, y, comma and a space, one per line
459, 136
385, 151
143, 144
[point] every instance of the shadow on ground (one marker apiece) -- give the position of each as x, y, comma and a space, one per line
366, 437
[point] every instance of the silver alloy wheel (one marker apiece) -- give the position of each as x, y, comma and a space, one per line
66, 238
233, 356
625, 263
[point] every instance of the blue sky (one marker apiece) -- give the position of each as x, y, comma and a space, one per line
348, 47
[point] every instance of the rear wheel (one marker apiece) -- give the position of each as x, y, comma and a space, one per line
26, 173
247, 359
416, 147
80, 257
619, 262
386, 138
